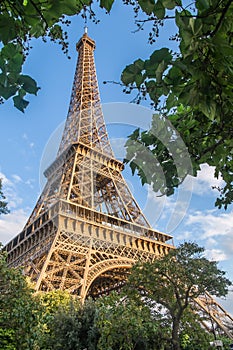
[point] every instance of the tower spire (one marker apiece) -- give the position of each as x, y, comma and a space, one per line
85, 122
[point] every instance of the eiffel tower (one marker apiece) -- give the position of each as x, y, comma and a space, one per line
86, 230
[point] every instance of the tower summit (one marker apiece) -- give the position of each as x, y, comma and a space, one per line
85, 122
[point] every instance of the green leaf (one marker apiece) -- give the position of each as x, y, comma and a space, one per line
171, 101
159, 10
147, 138
28, 84
3, 80
15, 63
132, 73
128, 76
10, 50
150, 68
2, 64
133, 167
134, 136
160, 55
159, 71
151, 88
139, 80
198, 26
147, 6
191, 23
187, 38
169, 4
202, 4
182, 19
209, 109
56, 31
107, 4
8, 30
20, 103
59, 8
139, 64
7, 91
37, 30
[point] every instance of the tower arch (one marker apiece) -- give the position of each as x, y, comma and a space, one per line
104, 270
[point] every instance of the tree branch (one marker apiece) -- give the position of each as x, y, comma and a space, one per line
40, 13
224, 11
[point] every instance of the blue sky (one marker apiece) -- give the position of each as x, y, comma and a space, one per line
189, 215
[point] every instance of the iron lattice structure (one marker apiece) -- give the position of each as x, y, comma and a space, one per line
215, 318
86, 230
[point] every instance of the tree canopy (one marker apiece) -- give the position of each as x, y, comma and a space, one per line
153, 311
19, 311
191, 88
124, 324
21, 21
174, 281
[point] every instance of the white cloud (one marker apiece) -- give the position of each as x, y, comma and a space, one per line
212, 229
10, 190
227, 245
205, 180
174, 209
215, 254
11, 224
30, 183
211, 223
16, 178
28, 141
5, 181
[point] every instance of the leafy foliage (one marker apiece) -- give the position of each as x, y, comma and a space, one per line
22, 20
174, 281
69, 325
192, 89
166, 164
19, 312
51, 303
124, 324
152, 312
3, 204
192, 336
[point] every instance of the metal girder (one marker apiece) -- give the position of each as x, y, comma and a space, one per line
215, 316
81, 247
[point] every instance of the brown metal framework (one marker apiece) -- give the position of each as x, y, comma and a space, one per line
86, 230
214, 318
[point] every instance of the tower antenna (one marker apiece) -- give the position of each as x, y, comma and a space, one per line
85, 20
